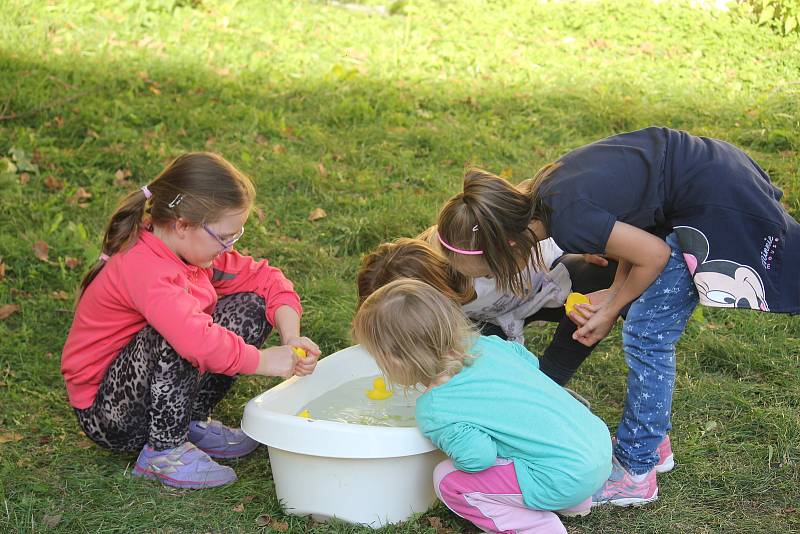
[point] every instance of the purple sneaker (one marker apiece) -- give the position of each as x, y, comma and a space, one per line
220, 441
184, 466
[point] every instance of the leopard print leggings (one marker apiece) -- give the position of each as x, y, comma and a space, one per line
150, 394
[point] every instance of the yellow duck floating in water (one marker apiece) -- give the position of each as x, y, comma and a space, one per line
379, 391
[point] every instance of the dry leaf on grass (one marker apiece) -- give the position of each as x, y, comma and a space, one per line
259, 213
81, 198
52, 183
41, 250
7, 309
71, 262
51, 521
121, 176
239, 508
321, 170
317, 214
8, 437
2, 270
60, 295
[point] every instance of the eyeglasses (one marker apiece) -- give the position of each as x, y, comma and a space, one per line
228, 243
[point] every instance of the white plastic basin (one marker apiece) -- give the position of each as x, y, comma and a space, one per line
361, 474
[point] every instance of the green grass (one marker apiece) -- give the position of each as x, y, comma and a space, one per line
391, 107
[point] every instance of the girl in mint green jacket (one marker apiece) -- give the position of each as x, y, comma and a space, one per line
520, 446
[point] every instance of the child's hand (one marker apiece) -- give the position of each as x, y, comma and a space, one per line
595, 259
277, 361
308, 355
595, 328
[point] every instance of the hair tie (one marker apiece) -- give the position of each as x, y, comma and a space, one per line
104, 257
457, 250
146, 191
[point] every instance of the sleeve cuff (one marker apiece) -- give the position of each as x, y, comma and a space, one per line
252, 357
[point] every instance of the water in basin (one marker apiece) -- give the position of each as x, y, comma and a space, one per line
349, 404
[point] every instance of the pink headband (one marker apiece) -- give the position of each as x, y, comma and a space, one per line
146, 191
103, 257
457, 250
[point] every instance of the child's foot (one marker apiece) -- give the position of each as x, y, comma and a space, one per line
624, 489
220, 441
579, 510
184, 466
578, 397
666, 458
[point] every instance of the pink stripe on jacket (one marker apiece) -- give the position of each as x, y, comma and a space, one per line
149, 284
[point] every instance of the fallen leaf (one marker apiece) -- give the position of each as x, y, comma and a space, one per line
259, 213
239, 508
210, 142
225, 71
2, 270
121, 174
261, 140
790, 510
60, 295
8, 437
41, 250
279, 149
24, 178
280, 526
263, 520
436, 523
60, 121
51, 521
7, 309
317, 214
84, 444
52, 183
71, 262
321, 170
80, 197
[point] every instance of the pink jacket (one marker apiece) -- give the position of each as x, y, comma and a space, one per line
149, 284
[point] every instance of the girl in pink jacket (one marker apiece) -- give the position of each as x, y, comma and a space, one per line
167, 319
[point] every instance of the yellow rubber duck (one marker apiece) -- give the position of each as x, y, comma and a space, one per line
379, 391
573, 299
301, 353
305, 413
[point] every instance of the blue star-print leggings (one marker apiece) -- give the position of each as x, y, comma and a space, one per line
654, 324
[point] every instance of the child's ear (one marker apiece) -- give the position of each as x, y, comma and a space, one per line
181, 226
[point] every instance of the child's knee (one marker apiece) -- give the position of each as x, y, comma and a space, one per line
439, 473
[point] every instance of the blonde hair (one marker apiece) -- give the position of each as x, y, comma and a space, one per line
198, 187
414, 332
416, 259
493, 216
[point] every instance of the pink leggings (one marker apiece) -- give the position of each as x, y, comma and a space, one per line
493, 501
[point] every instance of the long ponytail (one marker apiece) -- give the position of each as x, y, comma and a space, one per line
493, 216
121, 232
